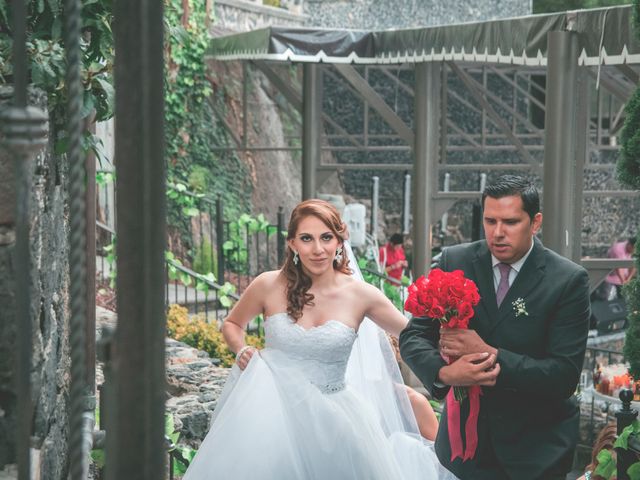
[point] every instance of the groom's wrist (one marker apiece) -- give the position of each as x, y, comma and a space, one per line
441, 378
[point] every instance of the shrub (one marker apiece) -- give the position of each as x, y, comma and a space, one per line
199, 334
205, 260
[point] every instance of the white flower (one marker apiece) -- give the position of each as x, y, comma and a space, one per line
519, 307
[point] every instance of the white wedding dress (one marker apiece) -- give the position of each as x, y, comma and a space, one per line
307, 407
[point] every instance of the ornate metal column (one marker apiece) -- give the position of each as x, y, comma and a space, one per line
24, 133
311, 127
565, 145
135, 422
426, 153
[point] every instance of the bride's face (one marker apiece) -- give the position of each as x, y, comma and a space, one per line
316, 244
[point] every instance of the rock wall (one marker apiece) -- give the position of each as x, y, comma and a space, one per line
49, 293
243, 15
383, 14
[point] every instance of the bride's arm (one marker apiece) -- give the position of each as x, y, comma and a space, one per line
380, 309
250, 305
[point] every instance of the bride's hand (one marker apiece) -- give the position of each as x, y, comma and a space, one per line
244, 356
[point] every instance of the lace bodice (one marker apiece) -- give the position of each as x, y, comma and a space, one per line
322, 352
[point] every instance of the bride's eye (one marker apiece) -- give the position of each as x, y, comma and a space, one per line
327, 237
305, 238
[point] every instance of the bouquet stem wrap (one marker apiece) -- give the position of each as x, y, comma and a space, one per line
471, 425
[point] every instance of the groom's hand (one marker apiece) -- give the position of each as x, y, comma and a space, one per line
455, 342
472, 369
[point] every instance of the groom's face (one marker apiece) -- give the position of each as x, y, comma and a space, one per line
508, 228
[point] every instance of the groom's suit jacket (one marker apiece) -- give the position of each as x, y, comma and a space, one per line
528, 422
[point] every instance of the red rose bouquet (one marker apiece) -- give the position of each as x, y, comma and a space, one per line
449, 297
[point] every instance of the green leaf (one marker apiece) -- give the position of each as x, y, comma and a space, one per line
88, 104
190, 211
188, 454
185, 278
210, 277
109, 93
168, 255
97, 455
227, 288
606, 464
169, 426
61, 146
634, 471
623, 439
225, 301
202, 286
173, 272
228, 245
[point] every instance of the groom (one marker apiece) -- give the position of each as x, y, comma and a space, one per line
524, 347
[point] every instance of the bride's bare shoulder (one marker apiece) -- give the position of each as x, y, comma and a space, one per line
271, 279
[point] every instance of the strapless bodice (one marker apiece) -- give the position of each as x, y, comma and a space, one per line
320, 352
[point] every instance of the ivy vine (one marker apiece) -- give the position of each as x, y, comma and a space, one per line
47, 63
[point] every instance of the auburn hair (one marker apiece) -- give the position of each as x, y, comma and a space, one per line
298, 282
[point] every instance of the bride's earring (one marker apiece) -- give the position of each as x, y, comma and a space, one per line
296, 258
338, 257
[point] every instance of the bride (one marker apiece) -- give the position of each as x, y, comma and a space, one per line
324, 398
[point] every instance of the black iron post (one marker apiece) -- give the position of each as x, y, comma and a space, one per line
625, 417
24, 133
135, 423
280, 237
220, 238
82, 402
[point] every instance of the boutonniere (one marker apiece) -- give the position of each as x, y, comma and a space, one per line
519, 307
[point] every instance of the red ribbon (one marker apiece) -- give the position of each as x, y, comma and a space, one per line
471, 425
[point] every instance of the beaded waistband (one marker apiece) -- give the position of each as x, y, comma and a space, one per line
331, 387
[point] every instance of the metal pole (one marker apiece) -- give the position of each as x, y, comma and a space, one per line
25, 132
90, 223
279, 237
375, 202
220, 238
135, 435
406, 204
19, 20
426, 151
81, 409
311, 125
445, 215
560, 152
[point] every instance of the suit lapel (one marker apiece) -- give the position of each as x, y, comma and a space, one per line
484, 280
530, 275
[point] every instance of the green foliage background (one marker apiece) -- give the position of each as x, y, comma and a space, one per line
191, 129
47, 64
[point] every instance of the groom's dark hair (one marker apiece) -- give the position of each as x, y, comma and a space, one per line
508, 185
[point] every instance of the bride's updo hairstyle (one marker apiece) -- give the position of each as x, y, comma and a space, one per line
298, 283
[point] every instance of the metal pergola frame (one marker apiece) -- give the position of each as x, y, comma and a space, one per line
572, 50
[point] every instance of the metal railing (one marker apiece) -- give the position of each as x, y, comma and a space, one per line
594, 408
235, 251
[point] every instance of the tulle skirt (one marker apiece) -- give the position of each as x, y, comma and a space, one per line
271, 423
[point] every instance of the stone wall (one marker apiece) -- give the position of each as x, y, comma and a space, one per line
49, 292
383, 14
243, 15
